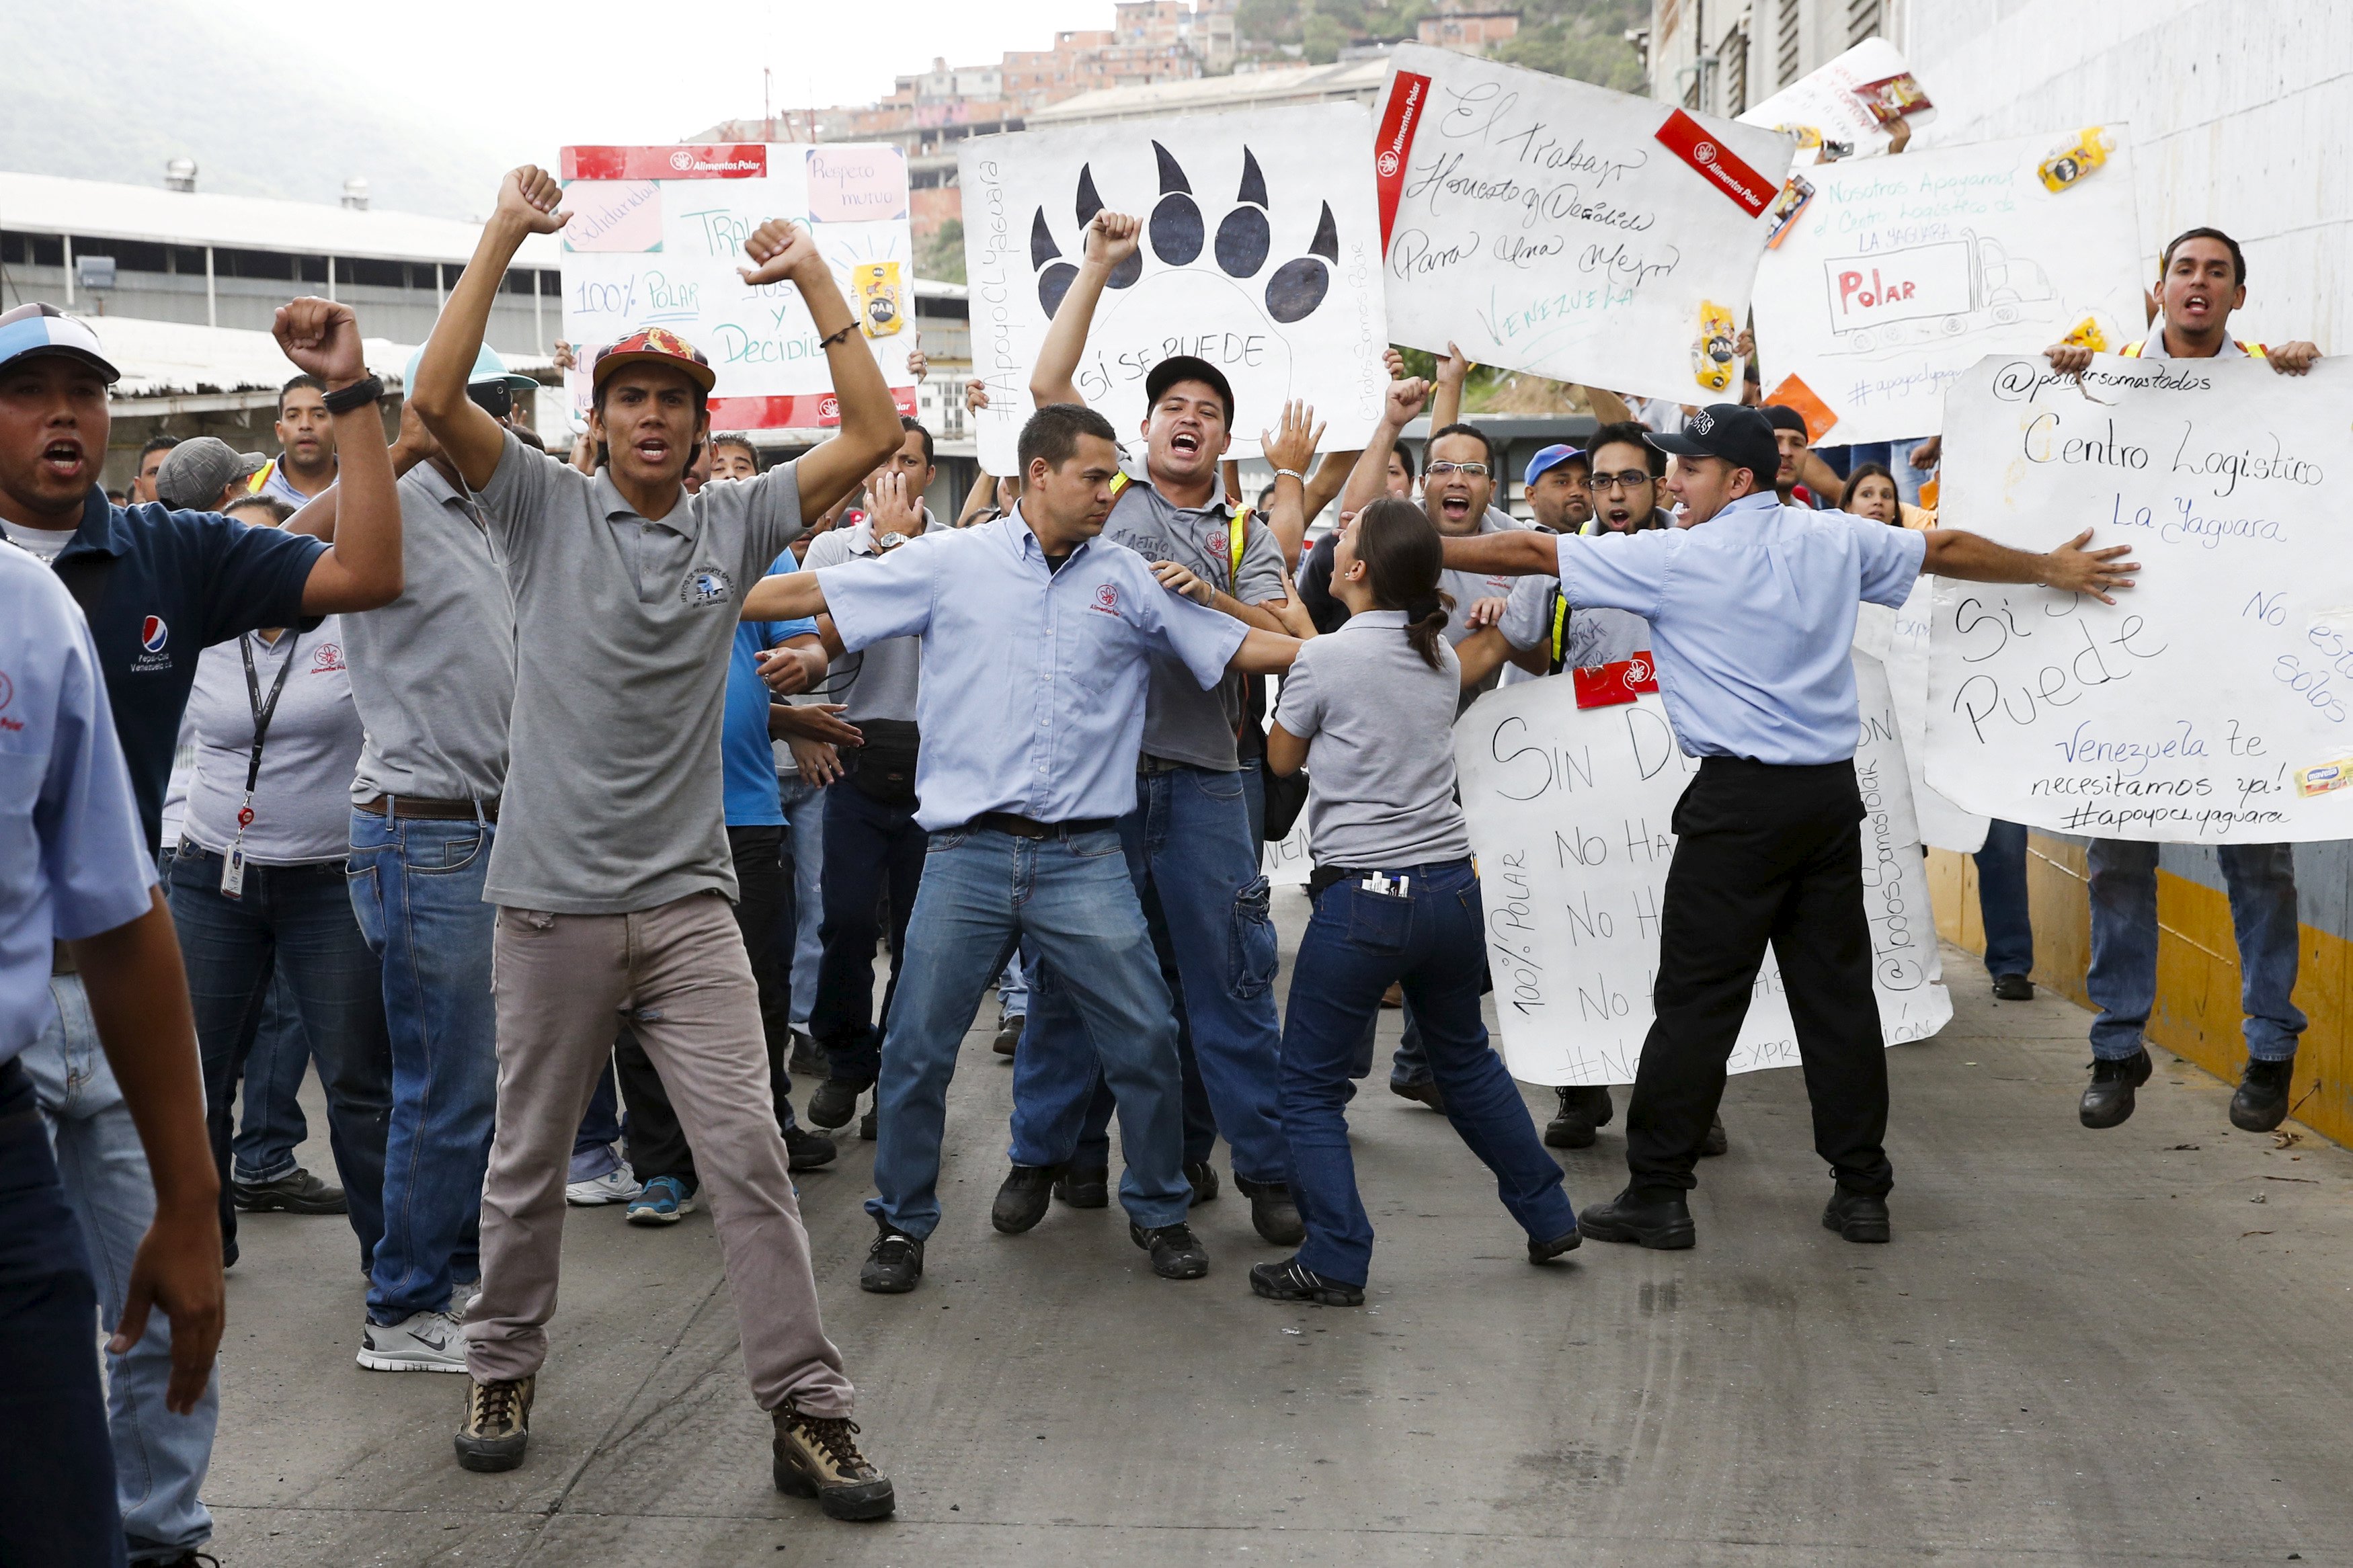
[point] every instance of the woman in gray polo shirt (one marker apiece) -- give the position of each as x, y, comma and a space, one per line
1396, 899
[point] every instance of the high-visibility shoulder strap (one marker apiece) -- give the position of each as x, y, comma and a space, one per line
1237, 537
1119, 483
260, 476
1560, 630
2130, 351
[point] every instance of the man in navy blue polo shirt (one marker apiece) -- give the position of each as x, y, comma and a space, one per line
158, 585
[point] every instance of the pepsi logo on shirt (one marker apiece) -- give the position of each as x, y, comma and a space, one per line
153, 636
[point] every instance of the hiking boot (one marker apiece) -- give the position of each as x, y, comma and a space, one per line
1009, 1033
1177, 1254
895, 1264
2108, 1097
1021, 1202
805, 1151
1583, 1110
1715, 1143
1272, 1212
836, 1101
1291, 1280
497, 1425
1660, 1220
1204, 1179
1084, 1186
816, 1456
2261, 1103
2012, 988
1858, 1216
296, 1191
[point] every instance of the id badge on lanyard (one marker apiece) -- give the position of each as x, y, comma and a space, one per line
232, 881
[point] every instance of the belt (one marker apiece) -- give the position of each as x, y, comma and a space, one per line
411, 805
1147, 765
1030, 827
61, 959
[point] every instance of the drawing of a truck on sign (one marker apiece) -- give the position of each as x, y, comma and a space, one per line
1937, 290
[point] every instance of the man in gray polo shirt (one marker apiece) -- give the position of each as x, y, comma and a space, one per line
611, 871
1188, 841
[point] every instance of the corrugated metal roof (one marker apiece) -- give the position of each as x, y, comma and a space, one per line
175, 359
1243, 89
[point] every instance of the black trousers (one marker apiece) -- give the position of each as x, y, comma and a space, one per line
658, 1144
873, 855
1763, 853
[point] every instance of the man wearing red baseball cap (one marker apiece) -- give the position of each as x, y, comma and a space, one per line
611, 869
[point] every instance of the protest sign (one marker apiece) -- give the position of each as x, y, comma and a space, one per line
1285, 863
1549, 226
657, 234
1259, 254
1903, 272
1848, 105
2213, 702
1898, 638
1570, 811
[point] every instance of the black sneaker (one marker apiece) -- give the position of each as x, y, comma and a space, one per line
895, 1264
296, 1191
1084, 1186
1545, 1251
1177, 1254
1662, 1221
1021, 1201
498, 1424
816, 1456
1272, 1212
1291, 1280
1858, 1216
2261, 1103
836, 1101
1715, 1143
1424, 1092
1009, 1033
805, 1151
2012, 988
1583, 1110
1204, 1179
2108, 1097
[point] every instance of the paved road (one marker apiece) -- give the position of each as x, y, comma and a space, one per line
2130, 1346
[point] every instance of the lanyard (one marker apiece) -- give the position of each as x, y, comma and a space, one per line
262, 713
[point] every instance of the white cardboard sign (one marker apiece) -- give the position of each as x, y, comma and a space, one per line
2213, 702
1260, 254
1901, 273
1853, 98
1553, 226
1898, 638
1570, 812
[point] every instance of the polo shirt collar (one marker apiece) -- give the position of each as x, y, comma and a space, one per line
1376, 620
1027, 546
614, 505
104, 529
1142, 475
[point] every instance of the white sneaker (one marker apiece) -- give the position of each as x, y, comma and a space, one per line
616, 1186
426, 1341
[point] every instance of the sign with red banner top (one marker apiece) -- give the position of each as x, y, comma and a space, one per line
1719, 164
1409, 99
1604, 685
720, 161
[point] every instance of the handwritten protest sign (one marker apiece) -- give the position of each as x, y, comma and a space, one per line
1849, 103
1553, 226
1570, 813
1903, 272
2213, 702
1898, 638
657, 234
1259, 254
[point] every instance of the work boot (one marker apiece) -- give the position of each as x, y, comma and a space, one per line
895, 1264
1291, 1280
296, 1191
805, 1151
1545, 1251
836, 1101
1009, 1033
2108, 1097
807, 1059
1715, 1143
2012, 988
1857, 1217
1177, 1254
1021, 1201
1084, 1186
1204, 1179
498, 1424
1583, 1110
2261, 1103
1660, 1219
816, 1456
1273, 1211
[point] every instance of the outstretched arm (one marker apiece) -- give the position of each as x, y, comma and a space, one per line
870, 416
1111, 238
2071, 568
1370, 479
787, 597
1264, 653
527, 205
1512, 552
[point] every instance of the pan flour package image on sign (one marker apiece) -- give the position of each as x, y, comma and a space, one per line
1551, 226
1849, 106
1902, 272
1258, 254
655, 237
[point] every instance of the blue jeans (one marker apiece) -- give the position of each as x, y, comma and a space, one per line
1070, 902
271, 1125
1254, 802
294, 920
416, 886
2002, 902
1013, 987
2122, 981
1432, 939
805, 849
159, 1458
870, 849
1206, 902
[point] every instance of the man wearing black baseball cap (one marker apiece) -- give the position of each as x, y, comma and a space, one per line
1189, 844
1752, 610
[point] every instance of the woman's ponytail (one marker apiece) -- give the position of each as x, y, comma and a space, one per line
1402, 559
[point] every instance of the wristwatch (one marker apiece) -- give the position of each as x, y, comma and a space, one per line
885, 543
358, 395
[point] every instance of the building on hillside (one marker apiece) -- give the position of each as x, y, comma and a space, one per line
1469, 26
1349, 82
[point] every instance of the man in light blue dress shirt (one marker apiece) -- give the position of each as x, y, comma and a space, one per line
1038, 643
1752, 608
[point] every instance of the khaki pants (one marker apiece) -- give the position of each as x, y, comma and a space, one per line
679, 976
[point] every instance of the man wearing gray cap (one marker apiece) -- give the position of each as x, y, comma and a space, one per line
205, 474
